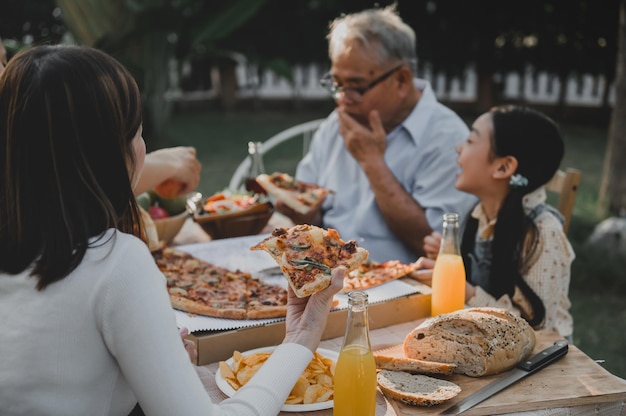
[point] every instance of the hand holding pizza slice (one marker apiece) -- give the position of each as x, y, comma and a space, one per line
308, 254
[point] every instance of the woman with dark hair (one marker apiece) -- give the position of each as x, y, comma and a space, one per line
515, 251
87, 325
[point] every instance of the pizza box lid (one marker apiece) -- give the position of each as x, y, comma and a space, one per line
219, 345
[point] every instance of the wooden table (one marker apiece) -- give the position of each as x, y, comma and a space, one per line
574, 385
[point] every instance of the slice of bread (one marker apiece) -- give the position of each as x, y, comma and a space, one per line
416, 389
413, 366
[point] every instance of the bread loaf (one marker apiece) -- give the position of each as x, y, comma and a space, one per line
410, 365
480, 341
416, 390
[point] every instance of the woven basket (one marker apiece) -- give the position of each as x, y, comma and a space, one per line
236, 224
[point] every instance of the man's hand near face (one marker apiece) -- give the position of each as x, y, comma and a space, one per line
402, 213
365, 144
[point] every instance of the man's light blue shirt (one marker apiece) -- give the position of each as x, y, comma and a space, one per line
421, 153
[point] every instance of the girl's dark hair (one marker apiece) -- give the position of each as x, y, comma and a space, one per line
535, 141
67, 119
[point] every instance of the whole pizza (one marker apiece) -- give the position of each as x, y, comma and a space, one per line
199, 287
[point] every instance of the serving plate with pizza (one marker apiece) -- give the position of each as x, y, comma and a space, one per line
309, 388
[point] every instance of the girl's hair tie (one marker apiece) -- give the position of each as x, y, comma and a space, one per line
518, 181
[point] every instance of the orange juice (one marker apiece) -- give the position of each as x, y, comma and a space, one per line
448, 285
355, 382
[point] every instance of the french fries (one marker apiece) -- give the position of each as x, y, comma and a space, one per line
315, 384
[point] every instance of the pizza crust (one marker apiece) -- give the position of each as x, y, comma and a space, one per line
266, 311
188, 305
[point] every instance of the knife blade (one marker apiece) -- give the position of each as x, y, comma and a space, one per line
523, 369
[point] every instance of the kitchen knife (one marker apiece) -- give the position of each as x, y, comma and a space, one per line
523, 369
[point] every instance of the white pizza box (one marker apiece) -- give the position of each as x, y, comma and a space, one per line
219, 345
216, 339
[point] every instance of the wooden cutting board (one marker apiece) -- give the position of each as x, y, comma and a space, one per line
574, 380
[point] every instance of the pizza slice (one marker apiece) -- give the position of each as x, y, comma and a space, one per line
373, 274
307, 255
300, 196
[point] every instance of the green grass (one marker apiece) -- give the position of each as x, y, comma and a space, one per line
221, 140
597, 281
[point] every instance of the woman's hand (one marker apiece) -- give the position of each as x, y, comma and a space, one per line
432, 243
306, 317
178, 163
190, 346
365, 142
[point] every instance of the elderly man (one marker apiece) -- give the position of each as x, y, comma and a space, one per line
388, 149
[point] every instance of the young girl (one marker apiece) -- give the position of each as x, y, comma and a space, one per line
515, 251
87, 326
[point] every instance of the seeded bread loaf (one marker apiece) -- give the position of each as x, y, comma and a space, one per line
413, 366
416, 389
480, 341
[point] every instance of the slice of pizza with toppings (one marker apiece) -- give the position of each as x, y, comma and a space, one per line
300, 196
307, 255
372, 274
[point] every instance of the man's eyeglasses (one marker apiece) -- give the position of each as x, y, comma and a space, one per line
352, 93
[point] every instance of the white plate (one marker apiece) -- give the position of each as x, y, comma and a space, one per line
229, 391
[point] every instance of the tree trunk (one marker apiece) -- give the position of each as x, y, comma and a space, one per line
606, 92
228, 84
156, 55
561, 104
613, 187
486, 91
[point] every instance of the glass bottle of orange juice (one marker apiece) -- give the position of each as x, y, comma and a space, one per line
448, 284
355, 373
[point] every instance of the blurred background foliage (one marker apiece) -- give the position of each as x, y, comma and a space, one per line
563, 37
